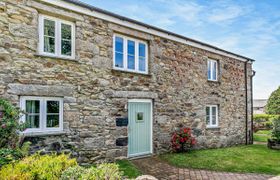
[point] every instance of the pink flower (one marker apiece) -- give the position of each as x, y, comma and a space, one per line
3, 126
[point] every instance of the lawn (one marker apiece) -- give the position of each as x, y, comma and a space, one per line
245, 159
128, 168
262, 135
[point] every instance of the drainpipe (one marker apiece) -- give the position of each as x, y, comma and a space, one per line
246, 102
252, 126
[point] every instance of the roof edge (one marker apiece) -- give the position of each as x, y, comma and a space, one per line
123, 19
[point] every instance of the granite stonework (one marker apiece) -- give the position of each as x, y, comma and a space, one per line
95, 95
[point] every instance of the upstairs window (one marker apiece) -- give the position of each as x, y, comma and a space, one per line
56, 37
212, 70
212, 116
42, 114
130, 54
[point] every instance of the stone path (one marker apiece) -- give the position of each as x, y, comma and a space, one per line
163, 171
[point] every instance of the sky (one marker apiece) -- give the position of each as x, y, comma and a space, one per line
247, 27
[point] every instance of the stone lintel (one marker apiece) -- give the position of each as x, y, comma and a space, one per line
134, 94
40, 90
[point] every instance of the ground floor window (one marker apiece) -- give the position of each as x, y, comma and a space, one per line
212, 115
42, 114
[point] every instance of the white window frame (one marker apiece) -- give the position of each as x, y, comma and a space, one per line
211, 116
211, 63
43, 114
125, 59
58, 23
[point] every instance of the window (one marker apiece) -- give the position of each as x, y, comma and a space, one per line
42, 114
212, 70
212, 116
130, 54
56, 37
140, 116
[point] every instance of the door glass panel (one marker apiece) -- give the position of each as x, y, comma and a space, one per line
140, 116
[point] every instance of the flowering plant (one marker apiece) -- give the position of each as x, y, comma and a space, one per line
182, 140
9, 125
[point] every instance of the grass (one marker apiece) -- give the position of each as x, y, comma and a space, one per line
262, 135
245, 159
128, 168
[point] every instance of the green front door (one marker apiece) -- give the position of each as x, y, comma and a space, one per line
140, 128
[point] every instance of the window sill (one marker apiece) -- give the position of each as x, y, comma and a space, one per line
214, 81
130, 72
212, 128
57, 57
47, 133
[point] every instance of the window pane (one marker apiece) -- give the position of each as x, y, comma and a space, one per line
119, 44
66, 31
32, 121
52, 106
208, 120
214, 120
207, 111
142, 50
32, 106
66, 47
209, 69
49, 44
52, 121
142, 64
131, 47
214, 70
214, 117
131, 62
214, 110
49, 28
119, 60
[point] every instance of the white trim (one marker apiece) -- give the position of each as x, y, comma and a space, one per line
86, 11
210, 116
58, 23
43, 114
151, 140
212, 61
125, 54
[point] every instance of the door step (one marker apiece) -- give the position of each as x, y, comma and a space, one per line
140, 156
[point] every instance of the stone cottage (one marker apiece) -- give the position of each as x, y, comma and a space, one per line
103, 86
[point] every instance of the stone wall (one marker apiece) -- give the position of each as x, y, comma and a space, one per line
95, 95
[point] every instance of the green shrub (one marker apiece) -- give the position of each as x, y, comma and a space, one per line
37, 167
276, 129
9, 125
9, 155
263, 121
74, 173
107, 171
273, 103
104, 171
